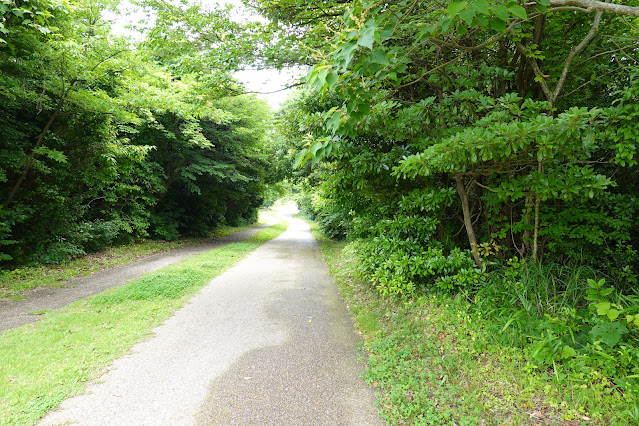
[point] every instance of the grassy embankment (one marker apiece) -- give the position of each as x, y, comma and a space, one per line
43, 363
436, 361
15, 281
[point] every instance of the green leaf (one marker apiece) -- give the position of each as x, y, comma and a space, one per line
568, 352
364, 108
331, 80
606, 291
455, 7
300, 159
497, 25
329, 113
467, 15
540, 8
333, 122
518, 11
315, 147
610, 333
386, 33
367, 36
328, 148
379, 57
501, 12
53, 154
314, 73
481, 6
345, 53
602, 308
321, 77
613, 314
462, 29
316, 160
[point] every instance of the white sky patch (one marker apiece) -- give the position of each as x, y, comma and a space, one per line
127, 16
266, 83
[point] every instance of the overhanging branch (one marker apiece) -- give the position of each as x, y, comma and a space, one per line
597, 6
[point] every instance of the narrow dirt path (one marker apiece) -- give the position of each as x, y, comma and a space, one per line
16, 313
268, 342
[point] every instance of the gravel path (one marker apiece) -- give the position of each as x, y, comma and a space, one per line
16, 313
268, 342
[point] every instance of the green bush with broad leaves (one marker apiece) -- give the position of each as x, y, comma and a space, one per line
401, 256
598, 343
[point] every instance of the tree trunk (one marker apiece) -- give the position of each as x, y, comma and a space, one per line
536, 231
468, 223
540, 169
31, 157
525, 239
39, 141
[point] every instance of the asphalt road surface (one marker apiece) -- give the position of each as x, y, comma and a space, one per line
269, 342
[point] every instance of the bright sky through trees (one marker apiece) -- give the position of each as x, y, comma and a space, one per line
266, 83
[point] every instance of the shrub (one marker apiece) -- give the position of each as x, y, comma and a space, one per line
401, 257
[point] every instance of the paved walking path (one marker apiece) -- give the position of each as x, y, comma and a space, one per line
268, 342
16, 313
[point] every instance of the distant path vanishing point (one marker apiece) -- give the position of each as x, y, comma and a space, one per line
268, 342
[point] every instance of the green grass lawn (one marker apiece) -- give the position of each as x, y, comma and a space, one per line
12, 282
436, 362
43, 363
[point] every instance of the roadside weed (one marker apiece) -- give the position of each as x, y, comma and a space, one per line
440, 359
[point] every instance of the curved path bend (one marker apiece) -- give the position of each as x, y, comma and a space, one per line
267, 342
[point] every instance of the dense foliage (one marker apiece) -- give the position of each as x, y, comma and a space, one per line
105, 142
485, 149
479, 149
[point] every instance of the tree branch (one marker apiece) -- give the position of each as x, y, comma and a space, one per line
488, 42
421, 77
535, 66
573, 53
589, 6
590, 82
278, 90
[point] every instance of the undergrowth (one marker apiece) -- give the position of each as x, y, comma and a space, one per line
43, 363
506, 356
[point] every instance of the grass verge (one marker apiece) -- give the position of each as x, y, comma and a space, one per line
15, 281
435, 361
43, 363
